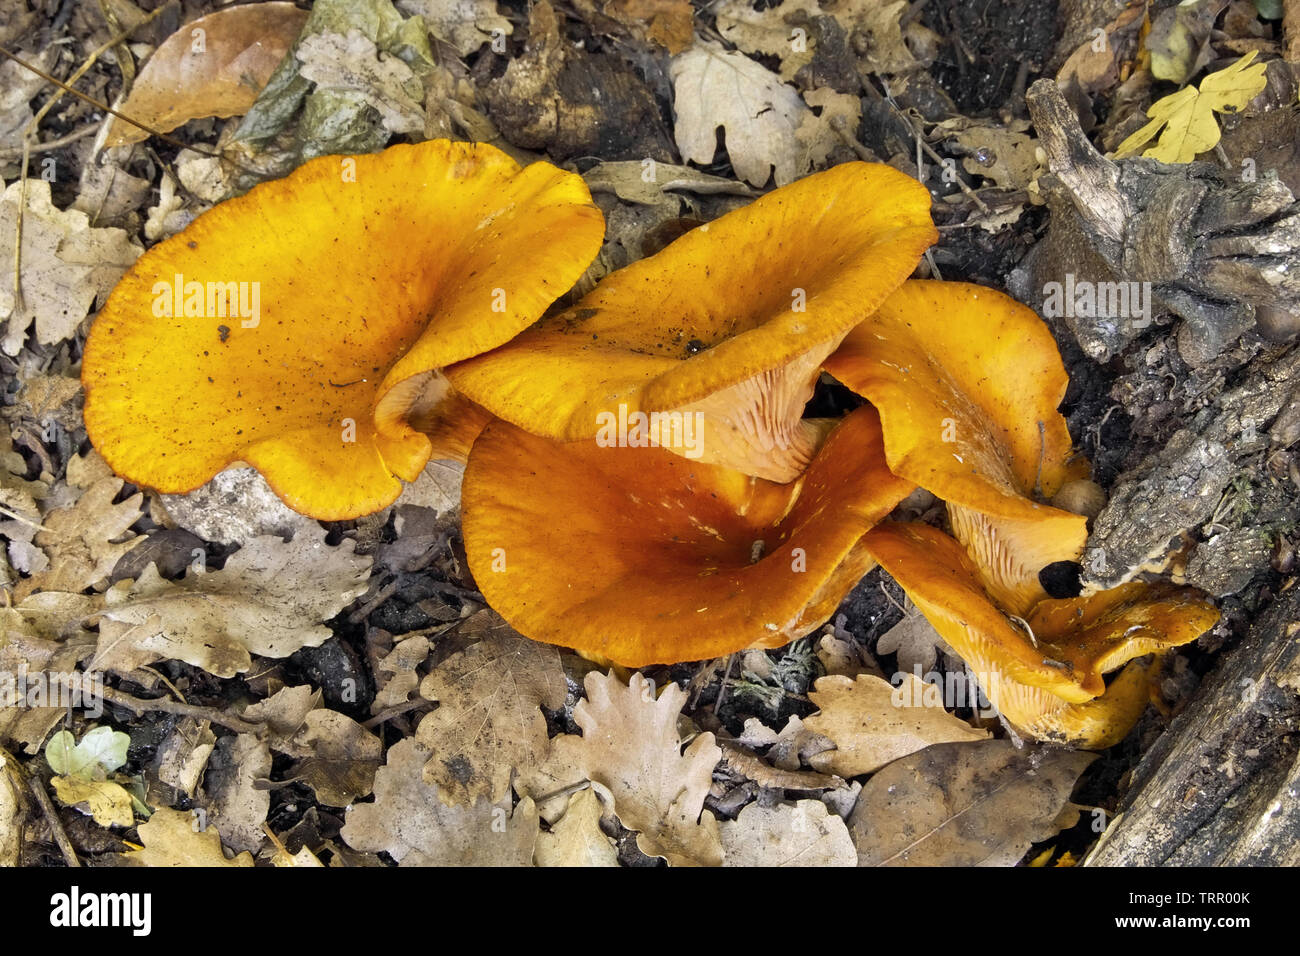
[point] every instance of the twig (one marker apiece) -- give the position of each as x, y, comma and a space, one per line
52, 818
890, 598
395, 711
840, 125
52, 144
140, 705
382, 595
929, 150
722, 690
170, 686
13, 515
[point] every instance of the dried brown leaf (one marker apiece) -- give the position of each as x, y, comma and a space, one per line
630, 745
802, 834
85, 540
576, 839
400, 665
269, 600
873, 723
969, 804
341, 757
411, 824
759, 114
13, 812
236, 806
213, 66
66, 266
489, 719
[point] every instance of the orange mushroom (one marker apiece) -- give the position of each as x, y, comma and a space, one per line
967, 382
297, 327
661, 559
1044, 673
731, 321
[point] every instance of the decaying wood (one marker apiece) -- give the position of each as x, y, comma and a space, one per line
1163, 504
1218, 788
1213, 248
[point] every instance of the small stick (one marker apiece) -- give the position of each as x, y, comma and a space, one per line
140, 705
52, 818
395, 711
52, 144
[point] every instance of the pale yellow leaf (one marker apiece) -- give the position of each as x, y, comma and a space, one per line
176, 838
1187, 116
107, 802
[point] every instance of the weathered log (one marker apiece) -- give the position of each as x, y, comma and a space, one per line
1221, 787
1213, 249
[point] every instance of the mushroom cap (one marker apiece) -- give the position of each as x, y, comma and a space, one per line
369, 272
1050, 685
967, 381
729, 304
655, 564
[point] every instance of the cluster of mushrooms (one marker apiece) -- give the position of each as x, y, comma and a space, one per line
400, 298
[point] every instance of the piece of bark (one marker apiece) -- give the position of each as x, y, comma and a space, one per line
1158, 506
1217, 788
1213, 249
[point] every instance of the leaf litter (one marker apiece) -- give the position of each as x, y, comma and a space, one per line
425, 731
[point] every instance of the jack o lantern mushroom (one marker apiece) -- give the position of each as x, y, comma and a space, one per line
667, 559
299, 326
1044, 673
732, 321
967, 382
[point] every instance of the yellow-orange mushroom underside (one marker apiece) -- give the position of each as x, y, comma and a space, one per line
293, 327
1046, 676
640, 556
967, 382
732, 320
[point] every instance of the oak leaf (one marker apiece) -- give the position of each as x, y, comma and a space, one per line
409, 822
802, 834
270, 599
170, 838
759, 114
66, 266
84, 541
1187, 117
489, 719
576, 838
630, 745
874, 723
108, 803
